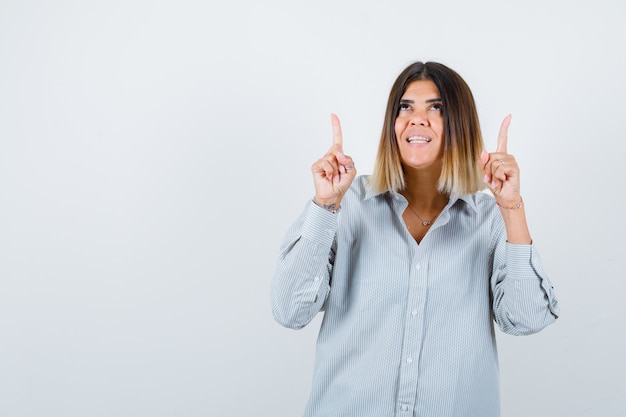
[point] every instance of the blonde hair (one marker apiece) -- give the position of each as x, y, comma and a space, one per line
463, 143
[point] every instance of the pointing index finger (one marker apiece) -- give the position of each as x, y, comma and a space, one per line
337, 137
503, 135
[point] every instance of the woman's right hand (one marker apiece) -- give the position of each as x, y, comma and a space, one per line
334, 172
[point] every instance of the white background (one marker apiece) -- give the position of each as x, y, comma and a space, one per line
153, 153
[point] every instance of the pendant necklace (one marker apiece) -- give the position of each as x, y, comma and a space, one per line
425, 223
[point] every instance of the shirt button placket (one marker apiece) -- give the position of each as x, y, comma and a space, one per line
412, 342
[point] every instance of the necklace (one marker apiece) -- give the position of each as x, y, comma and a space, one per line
425, 223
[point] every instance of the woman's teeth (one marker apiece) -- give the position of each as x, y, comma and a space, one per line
418, 139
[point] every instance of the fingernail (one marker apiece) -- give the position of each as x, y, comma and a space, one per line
486, 179
336, 178
342, 169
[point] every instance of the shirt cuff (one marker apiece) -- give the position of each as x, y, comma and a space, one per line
525, 259
320, 225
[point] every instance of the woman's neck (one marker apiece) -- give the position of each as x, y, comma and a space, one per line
423, 194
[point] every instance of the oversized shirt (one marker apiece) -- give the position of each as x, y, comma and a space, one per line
408, 328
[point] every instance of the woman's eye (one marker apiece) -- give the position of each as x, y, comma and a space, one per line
404, 107
436, 107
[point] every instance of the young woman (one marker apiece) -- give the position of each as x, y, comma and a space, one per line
413, 264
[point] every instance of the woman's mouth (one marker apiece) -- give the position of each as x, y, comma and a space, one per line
418, 139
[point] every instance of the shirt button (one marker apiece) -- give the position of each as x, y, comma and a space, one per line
404, 407
413, 313
330, 232
418, 266
316, 279
409, 360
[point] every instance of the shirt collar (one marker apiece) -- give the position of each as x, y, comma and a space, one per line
469, 199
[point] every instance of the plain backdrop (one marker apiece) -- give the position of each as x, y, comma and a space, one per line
153, 154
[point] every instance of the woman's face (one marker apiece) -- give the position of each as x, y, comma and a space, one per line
419, 126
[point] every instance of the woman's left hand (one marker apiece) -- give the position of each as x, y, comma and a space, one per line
501, 170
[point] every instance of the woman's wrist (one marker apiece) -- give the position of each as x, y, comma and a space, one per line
511, 206
331, 206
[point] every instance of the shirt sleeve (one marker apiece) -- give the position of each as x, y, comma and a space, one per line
301, 281
523, 297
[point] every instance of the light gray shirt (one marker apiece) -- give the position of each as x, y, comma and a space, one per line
408, 328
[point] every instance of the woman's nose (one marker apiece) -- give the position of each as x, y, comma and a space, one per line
419, 119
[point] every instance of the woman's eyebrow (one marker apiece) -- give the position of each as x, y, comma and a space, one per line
432, 100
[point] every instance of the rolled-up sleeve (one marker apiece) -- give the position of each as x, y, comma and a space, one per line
301, 282
523, 297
